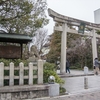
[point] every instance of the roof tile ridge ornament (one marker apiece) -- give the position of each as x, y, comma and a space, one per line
54, 15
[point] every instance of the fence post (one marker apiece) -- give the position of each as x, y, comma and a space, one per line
40, 71
30, 73
11, 82
1, 74
21, 74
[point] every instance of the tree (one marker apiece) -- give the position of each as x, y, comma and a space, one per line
39, 41
55, 47
22, 16
3, 1
78, 53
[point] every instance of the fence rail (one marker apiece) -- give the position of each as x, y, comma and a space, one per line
23, 73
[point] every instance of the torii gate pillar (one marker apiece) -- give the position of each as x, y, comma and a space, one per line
94, 45
63, 49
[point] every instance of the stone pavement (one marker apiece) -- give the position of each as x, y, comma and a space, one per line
75, 73
80, 72
74, 84
88, 96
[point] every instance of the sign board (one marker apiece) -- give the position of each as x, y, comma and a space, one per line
81, 28
11, 52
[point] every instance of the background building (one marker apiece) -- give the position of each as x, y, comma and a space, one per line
97, 16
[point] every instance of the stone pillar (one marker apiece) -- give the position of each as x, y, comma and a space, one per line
11, 82
54, 89
1, 74
63, 49
21, 77
94, 45
40, 71
85, 82
30, 73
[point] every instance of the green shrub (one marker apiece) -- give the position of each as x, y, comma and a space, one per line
48, 73
49, 69
49, 66
62, 90
6, 61
15, 61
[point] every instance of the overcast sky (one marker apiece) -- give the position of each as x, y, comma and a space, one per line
79, 9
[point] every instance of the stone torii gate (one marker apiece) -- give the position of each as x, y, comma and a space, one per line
65, 28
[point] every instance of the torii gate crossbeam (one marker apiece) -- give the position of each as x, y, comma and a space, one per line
64, 28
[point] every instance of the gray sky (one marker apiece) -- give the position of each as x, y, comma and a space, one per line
79, 9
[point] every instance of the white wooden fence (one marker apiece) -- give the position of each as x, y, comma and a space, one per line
21, 77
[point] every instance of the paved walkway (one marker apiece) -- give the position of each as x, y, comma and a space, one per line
75, 87
79, 72
75, 73
74, 82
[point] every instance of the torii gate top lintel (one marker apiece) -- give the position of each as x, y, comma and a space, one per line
61, 18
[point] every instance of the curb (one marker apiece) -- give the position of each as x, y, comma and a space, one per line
60, 75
